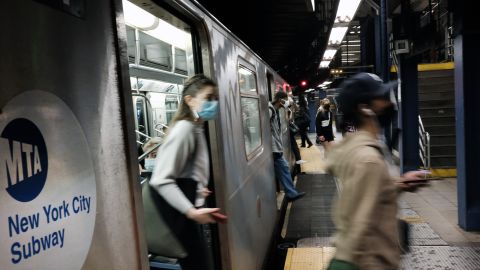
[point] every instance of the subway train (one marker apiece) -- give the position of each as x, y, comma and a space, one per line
84, 84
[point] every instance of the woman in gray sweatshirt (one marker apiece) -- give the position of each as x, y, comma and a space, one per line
181, 171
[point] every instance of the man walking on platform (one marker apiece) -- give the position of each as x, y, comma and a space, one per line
282, 172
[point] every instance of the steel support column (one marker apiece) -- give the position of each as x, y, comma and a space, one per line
409, 156
467, 96
383, 41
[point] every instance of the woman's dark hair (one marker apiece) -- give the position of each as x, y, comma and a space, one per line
191, 87
301, 101
279, 95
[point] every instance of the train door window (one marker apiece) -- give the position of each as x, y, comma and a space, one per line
161, 57
140, 118
250, 104
131, 44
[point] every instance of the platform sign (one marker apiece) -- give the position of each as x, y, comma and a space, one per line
47, 185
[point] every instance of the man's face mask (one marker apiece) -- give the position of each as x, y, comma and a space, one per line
386, 116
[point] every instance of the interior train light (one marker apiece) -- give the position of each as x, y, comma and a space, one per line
155, 27
137, 17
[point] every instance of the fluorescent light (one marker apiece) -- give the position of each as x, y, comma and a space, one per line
137, 17
345, 13
141, 19
313, 5
324, 64
329, 54
336, 35
346, 10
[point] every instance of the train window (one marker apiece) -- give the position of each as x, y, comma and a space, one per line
246, 81
154, 52
180, 61
164, 99
131, 44
251, 124
161, 57
140, 111
250, 105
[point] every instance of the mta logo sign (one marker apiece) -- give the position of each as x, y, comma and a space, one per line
23, 160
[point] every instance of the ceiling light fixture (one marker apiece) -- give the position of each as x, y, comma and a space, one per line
345, 13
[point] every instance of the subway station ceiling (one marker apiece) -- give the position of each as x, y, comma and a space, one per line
290, 35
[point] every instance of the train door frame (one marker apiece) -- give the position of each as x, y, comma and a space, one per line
270, 86
203, 63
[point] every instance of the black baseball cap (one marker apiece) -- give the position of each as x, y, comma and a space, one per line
362, 88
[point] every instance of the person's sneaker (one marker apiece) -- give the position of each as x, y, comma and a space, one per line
301, 161
299, 195
310, 145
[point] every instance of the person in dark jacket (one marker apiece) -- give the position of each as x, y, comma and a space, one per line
292, 108
302, 120
323, 124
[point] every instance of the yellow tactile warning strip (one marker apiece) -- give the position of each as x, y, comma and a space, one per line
316, 163
308, 258
436, 66
447, 173
413, 219
429, 67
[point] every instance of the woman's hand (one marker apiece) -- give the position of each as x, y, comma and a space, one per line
202, 215
205, 192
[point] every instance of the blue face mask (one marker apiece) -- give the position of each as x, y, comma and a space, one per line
209, 110
149, 164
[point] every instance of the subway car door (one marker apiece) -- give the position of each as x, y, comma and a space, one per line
69, 196
161, 56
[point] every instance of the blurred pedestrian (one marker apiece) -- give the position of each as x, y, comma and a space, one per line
365, 212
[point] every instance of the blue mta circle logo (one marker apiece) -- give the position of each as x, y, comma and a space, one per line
24, 159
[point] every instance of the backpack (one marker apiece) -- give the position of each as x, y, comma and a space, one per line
302, 120
272, 117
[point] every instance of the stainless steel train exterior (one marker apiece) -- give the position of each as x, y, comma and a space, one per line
77, 51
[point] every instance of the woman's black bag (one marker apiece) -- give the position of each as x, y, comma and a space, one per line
162, 221
293, 128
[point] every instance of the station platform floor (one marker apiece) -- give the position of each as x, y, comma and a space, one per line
436, 241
